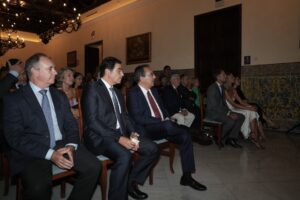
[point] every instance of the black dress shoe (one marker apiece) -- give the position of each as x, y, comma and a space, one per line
232, 143
189, 181
135, 193
237, 144
221, 145
202, 140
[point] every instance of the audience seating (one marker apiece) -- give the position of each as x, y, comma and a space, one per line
57, 173
166, 149
4, 172
214, 127
105, 161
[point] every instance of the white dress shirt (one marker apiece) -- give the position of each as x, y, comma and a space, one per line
146, 96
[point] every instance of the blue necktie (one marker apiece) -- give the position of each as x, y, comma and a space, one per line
117, 111
47, 113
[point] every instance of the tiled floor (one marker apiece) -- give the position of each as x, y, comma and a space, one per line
229, 174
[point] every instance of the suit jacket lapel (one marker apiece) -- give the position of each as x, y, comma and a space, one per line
57, 107
142, 96
218, 90
159, 102
102, 90
32, 101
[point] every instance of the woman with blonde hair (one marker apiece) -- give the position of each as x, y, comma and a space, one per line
64, 82
249, 129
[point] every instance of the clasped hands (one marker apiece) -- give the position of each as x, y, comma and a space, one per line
63, 157
184, 112
131, 143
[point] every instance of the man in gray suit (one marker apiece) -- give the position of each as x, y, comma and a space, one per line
218, 110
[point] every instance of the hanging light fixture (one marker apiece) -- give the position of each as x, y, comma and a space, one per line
68, 25
9, 42
45, 18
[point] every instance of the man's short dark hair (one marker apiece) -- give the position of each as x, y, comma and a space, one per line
167, 67
108, 63
182, 76
32, 61
138, 72
11, 62
216, 72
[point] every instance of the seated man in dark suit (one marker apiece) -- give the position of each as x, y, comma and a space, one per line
41, 130
187, 96
15, 68
108, 131
152, 119
218, 110
174, 105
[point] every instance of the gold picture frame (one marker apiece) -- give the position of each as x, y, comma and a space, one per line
138, 48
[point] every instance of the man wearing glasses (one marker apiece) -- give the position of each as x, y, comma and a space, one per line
152, 121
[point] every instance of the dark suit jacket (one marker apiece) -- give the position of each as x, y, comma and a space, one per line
5, 85
216, 105
187, 98
99, 115
172, 100
139, 109
26, 128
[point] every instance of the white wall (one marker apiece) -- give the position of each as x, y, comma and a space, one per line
270, 32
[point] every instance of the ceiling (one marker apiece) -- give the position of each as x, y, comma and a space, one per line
39, 16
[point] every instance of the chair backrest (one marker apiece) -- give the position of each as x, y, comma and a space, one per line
202, 108
80, 120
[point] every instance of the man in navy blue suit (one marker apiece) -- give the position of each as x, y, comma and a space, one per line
109, 131
152, 120
41, 130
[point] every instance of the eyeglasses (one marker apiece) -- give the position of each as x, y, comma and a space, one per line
150, 74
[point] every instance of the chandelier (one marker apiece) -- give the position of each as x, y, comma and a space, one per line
46, 18
67, 25
9, 42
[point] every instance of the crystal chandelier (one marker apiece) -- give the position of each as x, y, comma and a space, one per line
9, 42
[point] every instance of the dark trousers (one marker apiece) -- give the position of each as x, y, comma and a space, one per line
122, 170
231, 128
174, 133
37, 183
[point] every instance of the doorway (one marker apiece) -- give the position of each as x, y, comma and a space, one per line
93, 56
217, 43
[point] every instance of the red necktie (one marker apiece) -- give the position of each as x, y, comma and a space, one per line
153, 105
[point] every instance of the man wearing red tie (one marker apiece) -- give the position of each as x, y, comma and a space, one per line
152, 120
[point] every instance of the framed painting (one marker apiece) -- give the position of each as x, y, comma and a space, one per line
72, 59
138, 49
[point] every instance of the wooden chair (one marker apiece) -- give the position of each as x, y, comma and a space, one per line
57, 174
5, 172
166, 149
214, 127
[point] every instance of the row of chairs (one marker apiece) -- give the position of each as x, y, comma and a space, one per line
166, 149
213, 127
